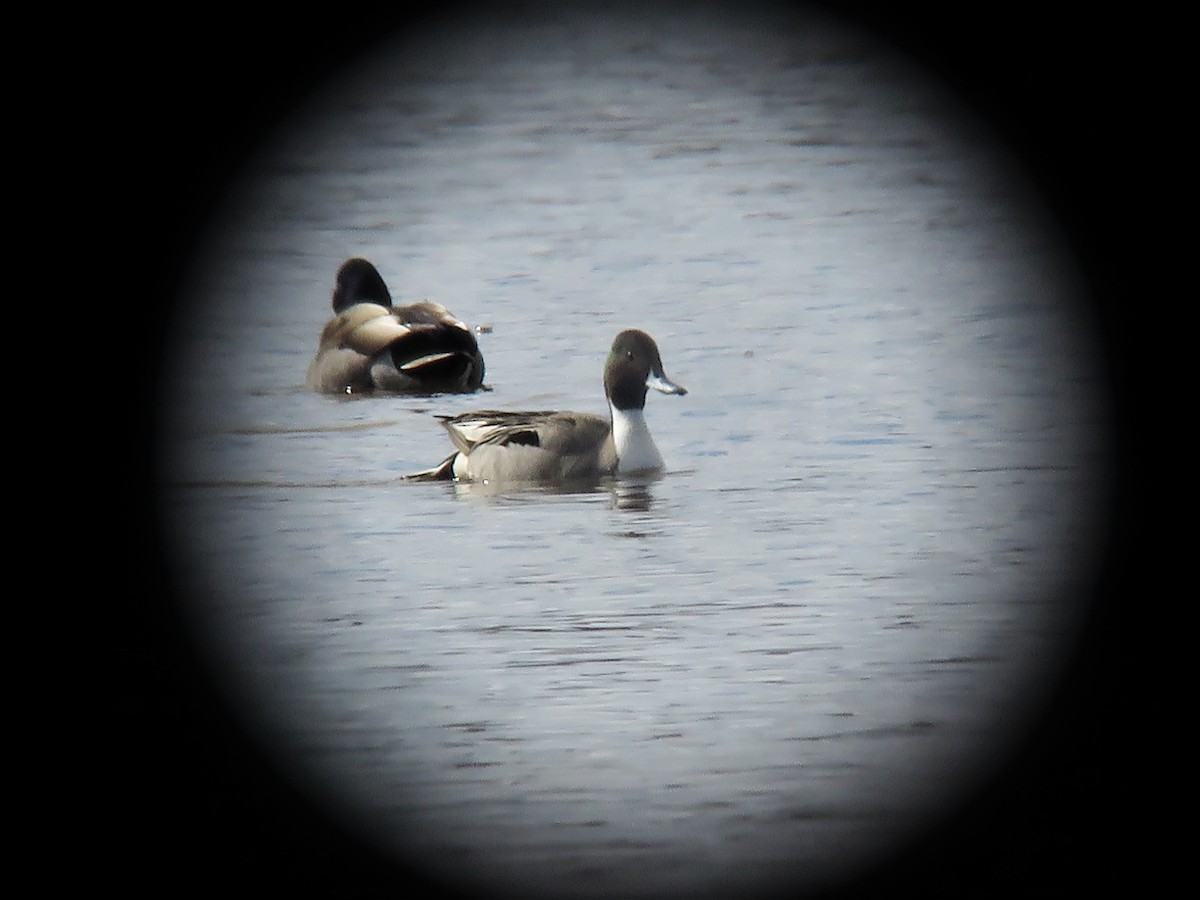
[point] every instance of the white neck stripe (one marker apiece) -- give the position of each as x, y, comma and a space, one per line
635, 447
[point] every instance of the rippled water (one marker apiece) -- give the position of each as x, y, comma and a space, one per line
830, 616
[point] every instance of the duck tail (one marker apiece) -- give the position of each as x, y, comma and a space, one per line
443, 471
439, 355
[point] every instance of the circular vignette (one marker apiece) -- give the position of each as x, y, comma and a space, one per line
244, 794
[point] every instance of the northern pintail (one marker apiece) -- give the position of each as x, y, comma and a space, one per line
370, 344
552, 446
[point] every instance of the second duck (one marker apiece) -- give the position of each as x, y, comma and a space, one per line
370, 344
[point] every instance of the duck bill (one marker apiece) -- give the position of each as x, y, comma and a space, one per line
665, 385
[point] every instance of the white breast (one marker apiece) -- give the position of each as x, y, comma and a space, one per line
635, 447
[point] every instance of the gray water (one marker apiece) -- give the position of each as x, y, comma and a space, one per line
840, 604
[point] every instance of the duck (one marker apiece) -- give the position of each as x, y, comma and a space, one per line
369, 344
553, 446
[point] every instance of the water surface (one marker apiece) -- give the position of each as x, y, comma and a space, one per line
835, 611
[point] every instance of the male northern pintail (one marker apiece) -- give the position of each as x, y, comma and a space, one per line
370, 344
552, 446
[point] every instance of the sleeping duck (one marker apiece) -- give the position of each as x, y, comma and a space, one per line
550, 446
371, 345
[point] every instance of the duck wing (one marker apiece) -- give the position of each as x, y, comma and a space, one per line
530, 445
435, 348
421, 347
364, 328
